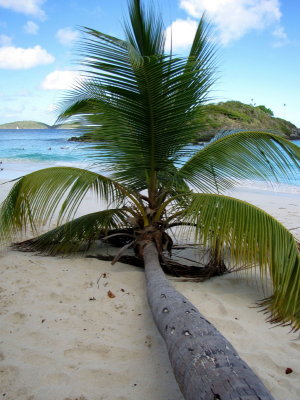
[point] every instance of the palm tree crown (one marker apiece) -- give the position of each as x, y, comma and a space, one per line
140, 108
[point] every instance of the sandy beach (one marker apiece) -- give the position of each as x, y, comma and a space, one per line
64, 336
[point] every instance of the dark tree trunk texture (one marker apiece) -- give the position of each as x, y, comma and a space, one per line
205, 364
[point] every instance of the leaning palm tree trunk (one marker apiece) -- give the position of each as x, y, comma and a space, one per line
205, 364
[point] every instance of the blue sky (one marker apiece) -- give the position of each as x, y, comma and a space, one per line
259, 49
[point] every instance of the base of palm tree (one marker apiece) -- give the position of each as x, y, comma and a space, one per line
188, 270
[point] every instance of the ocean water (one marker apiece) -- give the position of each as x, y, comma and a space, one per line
46, 145
26, 150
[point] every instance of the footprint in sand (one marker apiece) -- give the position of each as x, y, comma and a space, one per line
33, 339
87, 285
8, 376
31, 357
57, 379
89, 352
96, 352
16, 318
103, 377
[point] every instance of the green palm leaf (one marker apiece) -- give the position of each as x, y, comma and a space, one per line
78, 233
247, 235
241, 155
35, 197
140, 104
145, 33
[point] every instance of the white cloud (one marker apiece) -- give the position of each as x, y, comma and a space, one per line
21, 58
31, 28
29, 7
51, 107
5, 40
281, 37
234, 18
181, 33
67, 36
280, 33
60, 80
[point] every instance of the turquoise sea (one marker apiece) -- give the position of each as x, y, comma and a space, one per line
25, 150
40, 145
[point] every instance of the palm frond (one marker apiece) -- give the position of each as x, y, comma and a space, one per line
145, 32
78, 233
35, 197
137, 103
248, 235
242, 155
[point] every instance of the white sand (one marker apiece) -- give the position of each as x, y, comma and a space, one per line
62, 337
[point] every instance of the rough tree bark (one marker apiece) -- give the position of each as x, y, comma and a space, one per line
205, 364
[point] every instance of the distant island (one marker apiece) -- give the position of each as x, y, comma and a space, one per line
212, 118
35, 125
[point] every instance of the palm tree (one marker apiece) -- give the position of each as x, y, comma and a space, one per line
140, 109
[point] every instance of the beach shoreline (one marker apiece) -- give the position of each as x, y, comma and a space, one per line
63, 337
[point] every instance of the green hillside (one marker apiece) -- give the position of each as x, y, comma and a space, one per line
212, 118
25, 125
237, 115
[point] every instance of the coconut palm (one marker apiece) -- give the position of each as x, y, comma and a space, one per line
140, 108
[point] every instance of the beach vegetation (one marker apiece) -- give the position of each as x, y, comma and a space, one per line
266, 110
237, 115
141, 108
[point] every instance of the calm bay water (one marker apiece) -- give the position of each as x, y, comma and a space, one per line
45, 145
25, 150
